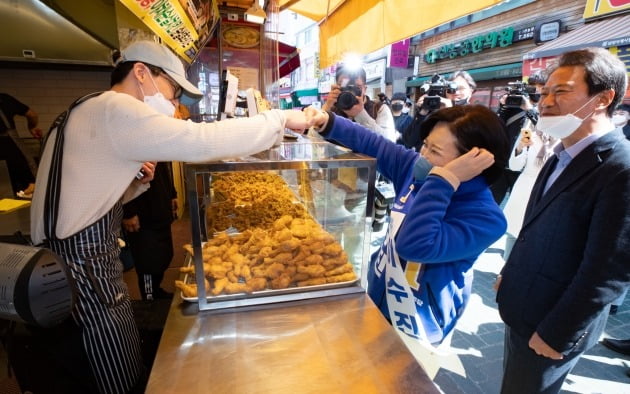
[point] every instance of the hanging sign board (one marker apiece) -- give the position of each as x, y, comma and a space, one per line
599, 8
169, 21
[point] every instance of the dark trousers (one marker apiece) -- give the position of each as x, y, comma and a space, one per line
525, 372
152, 250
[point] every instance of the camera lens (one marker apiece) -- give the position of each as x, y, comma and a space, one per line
346, 100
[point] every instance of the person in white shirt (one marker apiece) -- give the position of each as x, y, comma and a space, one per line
88, 170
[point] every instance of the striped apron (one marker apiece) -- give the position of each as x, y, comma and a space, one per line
102, 309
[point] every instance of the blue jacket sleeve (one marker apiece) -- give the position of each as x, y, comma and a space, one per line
392, 160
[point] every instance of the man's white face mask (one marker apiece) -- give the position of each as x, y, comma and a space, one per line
619, 120
157, 101
561, 126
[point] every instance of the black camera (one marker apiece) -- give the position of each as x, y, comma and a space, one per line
517, 92
438, 87
348, 97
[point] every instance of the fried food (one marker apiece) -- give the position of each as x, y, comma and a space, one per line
314, 271
340, 270
219, 286
190, 290
314, 259
312, 282
341, 278
257, 284
276, 248
281, 282
274, 270
235, 288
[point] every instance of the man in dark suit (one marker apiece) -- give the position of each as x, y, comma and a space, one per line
572, 256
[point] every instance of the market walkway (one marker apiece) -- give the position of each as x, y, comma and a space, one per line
479, 342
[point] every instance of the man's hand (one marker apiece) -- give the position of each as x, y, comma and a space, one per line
470, 164
148, 169
297, 120
497, 283
131, 225
331, 99
541, 348
318, 118
36, 132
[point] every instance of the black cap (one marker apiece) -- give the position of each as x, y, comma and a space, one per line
399, 96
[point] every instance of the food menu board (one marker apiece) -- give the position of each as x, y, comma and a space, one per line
247, 77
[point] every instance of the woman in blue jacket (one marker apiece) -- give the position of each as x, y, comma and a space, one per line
443, 217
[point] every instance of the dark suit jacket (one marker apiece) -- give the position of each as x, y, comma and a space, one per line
572, 256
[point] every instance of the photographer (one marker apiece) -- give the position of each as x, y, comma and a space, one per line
347, 98
439, 93
517, 109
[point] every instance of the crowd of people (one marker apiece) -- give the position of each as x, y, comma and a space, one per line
564, 169
552, 171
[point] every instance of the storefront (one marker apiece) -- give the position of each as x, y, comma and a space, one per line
491, 49
612, 33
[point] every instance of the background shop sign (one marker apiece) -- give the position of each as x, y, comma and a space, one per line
399, 54
532, 66
502, 38
599, 8
374, 70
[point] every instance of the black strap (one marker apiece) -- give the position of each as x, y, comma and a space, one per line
53, 188
515, 117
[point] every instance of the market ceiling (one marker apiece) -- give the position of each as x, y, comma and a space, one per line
363, 26
74, 35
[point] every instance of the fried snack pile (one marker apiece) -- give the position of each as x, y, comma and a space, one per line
292, 252
251, 200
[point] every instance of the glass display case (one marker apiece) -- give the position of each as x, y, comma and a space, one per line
289, 223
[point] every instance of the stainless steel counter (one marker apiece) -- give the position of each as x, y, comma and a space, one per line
328, 345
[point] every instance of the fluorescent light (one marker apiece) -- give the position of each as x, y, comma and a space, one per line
255, 14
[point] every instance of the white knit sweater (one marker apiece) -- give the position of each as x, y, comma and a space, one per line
107, 139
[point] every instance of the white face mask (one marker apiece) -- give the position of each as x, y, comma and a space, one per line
158, 102
405, 110
619, 120
561, 126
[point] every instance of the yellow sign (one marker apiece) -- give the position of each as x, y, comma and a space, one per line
169, 21
598, 8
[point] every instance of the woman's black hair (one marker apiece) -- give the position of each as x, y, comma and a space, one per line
473, 126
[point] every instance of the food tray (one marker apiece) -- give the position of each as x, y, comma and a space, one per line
190, 278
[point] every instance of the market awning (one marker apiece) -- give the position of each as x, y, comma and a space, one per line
605, 33
288, 58
363, 26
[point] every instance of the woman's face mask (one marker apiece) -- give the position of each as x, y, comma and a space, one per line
421, 168
157, 101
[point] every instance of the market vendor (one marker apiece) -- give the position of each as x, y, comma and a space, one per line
88, 170
442, 219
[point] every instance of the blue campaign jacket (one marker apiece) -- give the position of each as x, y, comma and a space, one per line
443, 229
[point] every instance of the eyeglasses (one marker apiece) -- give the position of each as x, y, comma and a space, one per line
177, 90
